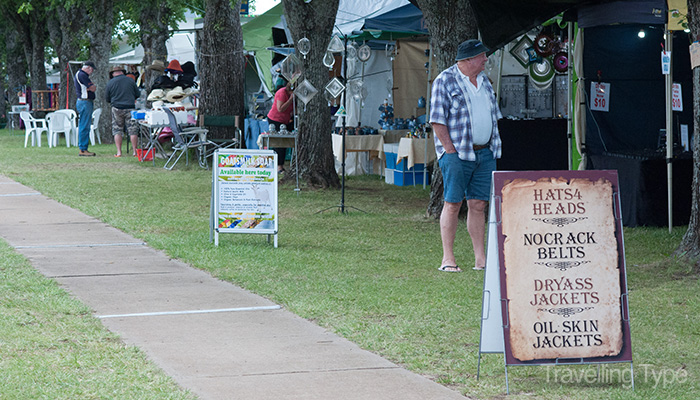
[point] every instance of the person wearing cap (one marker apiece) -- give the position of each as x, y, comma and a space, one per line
85, 90
122, 93
464, 116
281, 114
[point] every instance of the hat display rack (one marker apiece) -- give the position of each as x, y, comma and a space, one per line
542, 57
175, 94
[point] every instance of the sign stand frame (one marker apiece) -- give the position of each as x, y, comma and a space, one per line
214, 229
492, 339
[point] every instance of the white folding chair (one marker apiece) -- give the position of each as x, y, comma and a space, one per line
72, 121
34, 127
58, 123
95, 127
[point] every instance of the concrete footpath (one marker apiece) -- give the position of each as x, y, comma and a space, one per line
213, 338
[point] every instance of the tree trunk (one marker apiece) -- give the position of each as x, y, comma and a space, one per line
16, 68
38, 35
221, 64
32, 33
100, 34
315, 159
690, 245
66, 27
450, 22
153, 24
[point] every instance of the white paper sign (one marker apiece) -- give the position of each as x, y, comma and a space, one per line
665, 62
600, 96
676, 97
684, 137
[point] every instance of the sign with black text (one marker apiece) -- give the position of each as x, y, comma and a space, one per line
562, 268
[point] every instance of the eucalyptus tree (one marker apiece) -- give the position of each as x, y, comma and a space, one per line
154, 22
15, 65
29, 20
450, 22
67, 25
314, 20
690, 245
221, 63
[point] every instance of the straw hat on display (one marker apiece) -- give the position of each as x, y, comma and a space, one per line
175, 95
157, 65
156, 94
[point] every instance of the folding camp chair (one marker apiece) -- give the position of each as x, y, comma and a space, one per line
230, 121
184, 140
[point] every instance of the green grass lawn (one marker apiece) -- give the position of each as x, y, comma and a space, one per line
369, 276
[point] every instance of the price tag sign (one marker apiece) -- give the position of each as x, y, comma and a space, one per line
676, 97
665, 62
600, 96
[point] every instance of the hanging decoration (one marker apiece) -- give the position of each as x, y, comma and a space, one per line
351, 51
364, 53
335, 87
291, 68
305, 92
336, 45
329, 60
390, 51
304, 46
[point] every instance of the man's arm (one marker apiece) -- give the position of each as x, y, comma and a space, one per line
443, 135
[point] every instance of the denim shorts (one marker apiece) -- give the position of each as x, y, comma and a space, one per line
470, 179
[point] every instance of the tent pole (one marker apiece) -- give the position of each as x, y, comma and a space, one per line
569, 108
427, 111
669, 127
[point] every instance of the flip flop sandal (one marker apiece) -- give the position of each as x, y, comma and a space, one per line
479, 268
449, 268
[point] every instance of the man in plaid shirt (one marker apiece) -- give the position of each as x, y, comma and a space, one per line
464, 115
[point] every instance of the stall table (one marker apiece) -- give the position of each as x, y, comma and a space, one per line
289, 141
373, 144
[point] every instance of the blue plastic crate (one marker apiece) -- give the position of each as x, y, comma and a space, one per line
402, 178
401, 166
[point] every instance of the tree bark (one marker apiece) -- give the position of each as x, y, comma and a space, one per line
315, 21
100, 35
450, 22
66, 27
16, 68
690, 244
31, 28
153, 24
221, 64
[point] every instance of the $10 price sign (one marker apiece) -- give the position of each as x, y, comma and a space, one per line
600, 96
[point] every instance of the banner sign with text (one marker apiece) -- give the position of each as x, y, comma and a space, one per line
562, 267
244, 192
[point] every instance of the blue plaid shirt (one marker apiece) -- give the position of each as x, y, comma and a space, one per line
450, 107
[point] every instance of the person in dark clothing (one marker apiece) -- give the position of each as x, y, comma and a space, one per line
85, 90
122, 93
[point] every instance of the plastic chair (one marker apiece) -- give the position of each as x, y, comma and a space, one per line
95, 127
58, 123
184, 140
34, 127
72, 122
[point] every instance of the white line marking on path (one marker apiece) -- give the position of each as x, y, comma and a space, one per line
56, 246
20, 194
154, 314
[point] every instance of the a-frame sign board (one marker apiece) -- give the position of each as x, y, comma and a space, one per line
555, 285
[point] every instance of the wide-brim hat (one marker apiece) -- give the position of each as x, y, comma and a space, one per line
174, 67
176, 94
157, 65
156, 94
188, 68
469, 49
